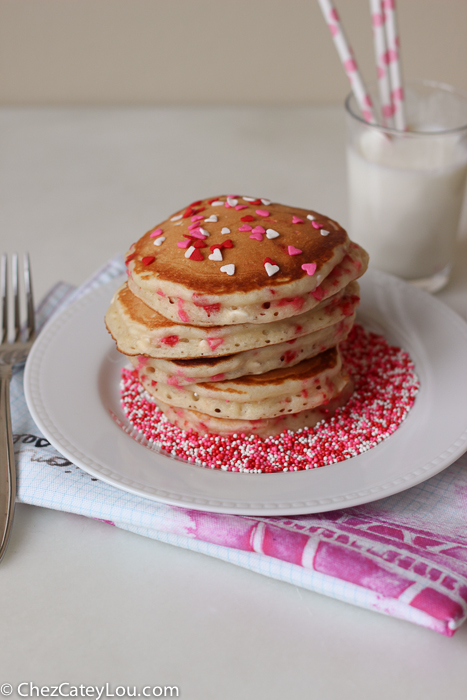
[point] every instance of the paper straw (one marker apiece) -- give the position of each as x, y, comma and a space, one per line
381, 56
392, 38
348, 60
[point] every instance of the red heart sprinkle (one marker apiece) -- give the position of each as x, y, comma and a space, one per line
268, 260
210, 201
188, 212
256, 203
197, 243
216, 245
228, 243
196, 255
248, 217
195, 204
148, 259
198, 209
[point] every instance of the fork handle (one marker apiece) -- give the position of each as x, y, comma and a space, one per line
7, 461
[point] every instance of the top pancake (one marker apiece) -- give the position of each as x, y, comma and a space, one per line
274, 253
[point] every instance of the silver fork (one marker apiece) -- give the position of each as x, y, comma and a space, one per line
11, 352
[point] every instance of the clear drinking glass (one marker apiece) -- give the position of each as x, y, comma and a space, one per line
406, 188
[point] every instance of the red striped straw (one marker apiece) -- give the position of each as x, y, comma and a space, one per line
392, 38
348, 60
381, 56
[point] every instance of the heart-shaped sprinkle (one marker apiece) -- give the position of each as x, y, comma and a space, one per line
217, 203
229, 269
184, 244
159, 241
203, 231
266, 202
216, 255
199, 244
239, 207
198, 234
188, 212
197, 203
225, 230
176, 218
194, 226
271, 269
258, 229
196, 255
190, 250
262, 212
297, 220
294, 251
199, 217
247, 217
310, 217
257, 236
211, 220
227, 244
249, 199
270, 233
316, 224
155, 233
231, 201
148, 259
323, 232
310, 268
245, 227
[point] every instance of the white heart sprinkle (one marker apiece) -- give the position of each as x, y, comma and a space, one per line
225, 230
229, 269
323, 232
233, 202
212, 219
266, 202
189, 251
204, 232
217, 204
176, 218
216, 255
310, 217
271, 269
270, 233
159, 241
249, 199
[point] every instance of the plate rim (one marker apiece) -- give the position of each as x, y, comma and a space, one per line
97, 468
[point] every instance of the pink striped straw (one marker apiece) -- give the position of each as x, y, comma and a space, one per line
392, 38
379, 37
348, 60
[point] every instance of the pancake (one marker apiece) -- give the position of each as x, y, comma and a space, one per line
309, 384
258, 361
187, 419
272, 262
138, 330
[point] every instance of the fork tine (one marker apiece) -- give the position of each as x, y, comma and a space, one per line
15, 286
4, 294
29, 298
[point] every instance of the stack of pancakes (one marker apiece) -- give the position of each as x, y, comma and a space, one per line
233, 312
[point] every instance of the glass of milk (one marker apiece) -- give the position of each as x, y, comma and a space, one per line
406, 188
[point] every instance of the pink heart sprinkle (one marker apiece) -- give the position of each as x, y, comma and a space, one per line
245, 227
316, 224
184, 244
294, 251
198, 217
310, 268
241, 206
256, 236
198, 234
297, 220
262, 212
258, 229
192, 226
155, 233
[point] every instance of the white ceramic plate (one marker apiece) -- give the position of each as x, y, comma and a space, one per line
72, 386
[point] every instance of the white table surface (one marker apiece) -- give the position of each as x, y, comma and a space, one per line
85, 603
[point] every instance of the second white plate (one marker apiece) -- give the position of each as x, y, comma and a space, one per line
72, 387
